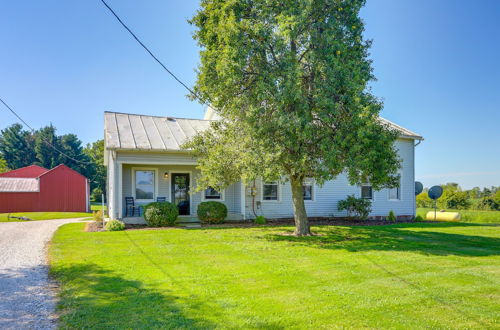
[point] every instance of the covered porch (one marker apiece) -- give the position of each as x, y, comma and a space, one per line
143, 183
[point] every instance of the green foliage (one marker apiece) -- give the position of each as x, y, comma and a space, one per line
21, 148
423, 200
161, 214
290, 82
97, 215
360, 208
95, 153
17, 146
115, 225
419, 218
260, 220
212, 212
391, 216
3, 166
453, 199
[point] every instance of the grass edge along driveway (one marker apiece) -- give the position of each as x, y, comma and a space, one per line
421, 275
4, 217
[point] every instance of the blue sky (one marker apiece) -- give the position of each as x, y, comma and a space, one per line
437, 64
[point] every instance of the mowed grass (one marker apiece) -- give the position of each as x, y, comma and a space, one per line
406, 276
96, 206
4, 217
474, 216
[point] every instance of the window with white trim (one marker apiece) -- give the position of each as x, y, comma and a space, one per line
144, 184
366, 191
395, 193
308, 189
212, 194
270, 191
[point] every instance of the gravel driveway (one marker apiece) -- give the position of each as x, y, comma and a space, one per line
27, 299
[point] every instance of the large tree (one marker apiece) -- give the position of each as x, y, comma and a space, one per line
43, 147
290, 82
17, 146
95, 151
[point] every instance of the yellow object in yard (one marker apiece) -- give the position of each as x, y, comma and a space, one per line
444, 216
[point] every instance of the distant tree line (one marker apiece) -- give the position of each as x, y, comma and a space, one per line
455, 198
20, 147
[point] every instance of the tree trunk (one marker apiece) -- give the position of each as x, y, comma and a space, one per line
299, 209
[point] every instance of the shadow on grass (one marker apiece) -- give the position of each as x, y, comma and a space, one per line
92, 297
396, 238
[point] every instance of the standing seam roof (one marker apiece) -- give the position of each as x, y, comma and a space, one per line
140, 132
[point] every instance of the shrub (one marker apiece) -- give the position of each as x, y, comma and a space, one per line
97, 215
391, 216
212, 212
419, 218
357, 207
114, 225
260, 220
160, 214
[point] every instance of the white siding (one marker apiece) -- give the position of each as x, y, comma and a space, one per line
326, 197
231, 194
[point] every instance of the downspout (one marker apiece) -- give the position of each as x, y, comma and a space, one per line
415, 199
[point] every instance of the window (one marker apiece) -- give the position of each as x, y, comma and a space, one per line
395, 193
144, 184
211, 193
307, 187
270, 191
366, 191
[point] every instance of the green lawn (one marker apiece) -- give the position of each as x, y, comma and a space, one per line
43, 215
470, 215
406, 276
95, 206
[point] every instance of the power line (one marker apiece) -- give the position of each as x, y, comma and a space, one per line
151, 53
47, 142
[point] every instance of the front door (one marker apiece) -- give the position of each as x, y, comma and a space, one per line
180, 192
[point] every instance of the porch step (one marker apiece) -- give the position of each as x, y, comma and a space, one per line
191, 225
188, 220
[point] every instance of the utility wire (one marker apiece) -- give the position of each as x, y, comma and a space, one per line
191, 91
47, 142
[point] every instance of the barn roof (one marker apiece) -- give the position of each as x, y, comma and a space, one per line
31, 171
19, 185
139, 132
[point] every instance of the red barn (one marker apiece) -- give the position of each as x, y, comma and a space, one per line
36, 189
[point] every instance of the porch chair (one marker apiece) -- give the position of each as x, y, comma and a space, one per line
161, 199
130, 207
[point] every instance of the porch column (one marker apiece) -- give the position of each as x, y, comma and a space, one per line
120, 190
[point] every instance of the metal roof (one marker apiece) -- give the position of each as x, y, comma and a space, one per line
129, 131
19, 185
139, 132
404, 133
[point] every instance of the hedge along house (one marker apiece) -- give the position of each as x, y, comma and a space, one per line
145, 162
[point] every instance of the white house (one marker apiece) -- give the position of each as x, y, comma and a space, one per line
145, 163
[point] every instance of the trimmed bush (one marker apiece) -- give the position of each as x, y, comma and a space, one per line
357, 207
419, 218
114, 225
391, 216
161, 214
212, 212
260, 220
